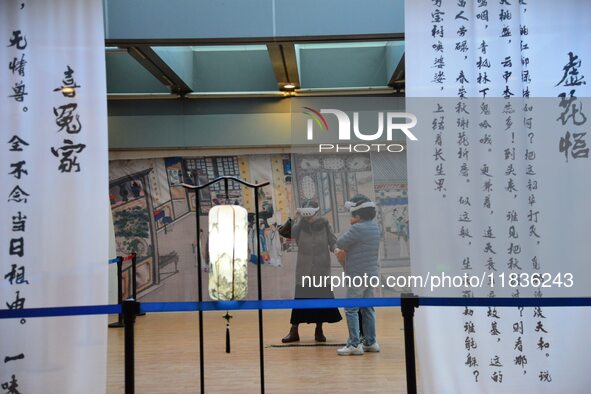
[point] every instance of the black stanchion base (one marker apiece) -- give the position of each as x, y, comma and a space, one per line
116, 324
142, 314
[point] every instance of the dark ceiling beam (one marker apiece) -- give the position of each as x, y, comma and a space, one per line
150, 60
284, 62
397, 79
254, 40
276, 57
291, 63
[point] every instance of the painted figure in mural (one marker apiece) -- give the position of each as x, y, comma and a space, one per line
401, 229
123, 192
315, 241
358, 251
252, 241
136, 189
204, 247
274, 245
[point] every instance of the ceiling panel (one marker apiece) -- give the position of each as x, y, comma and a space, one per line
126, 75
342, 65
239, 68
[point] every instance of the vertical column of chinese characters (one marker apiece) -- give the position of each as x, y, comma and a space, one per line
487, 177
488, 236
534, 238
513, 243
495, 361
572, 119
520, 358
470, 343
483, 63
14, 271
485, 139
438, 127
438, 124
462, 128
438, 49
524, 47
464, 204
464, 232
462, 46
505, 17
530, 153
67, 119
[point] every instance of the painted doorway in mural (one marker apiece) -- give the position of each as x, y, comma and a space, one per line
331, 180
135, 229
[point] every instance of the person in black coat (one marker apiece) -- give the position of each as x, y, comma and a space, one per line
315, 241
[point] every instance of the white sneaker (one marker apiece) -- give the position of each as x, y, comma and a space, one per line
350, 350
375, 348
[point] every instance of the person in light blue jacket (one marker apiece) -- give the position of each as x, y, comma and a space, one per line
358, 251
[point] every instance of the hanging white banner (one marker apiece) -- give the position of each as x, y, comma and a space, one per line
54, 189
498, 190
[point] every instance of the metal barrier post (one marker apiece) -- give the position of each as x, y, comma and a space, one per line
408, 303
130, 309
119, 322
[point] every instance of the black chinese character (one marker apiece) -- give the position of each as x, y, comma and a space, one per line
19, 303
18, 169
17, 40
14, 358
19, 91
571, 71
65, 118
18, 66
18, 195
16, 143
18, 222
579, 149
68, 161
17, 247
69, 86
16, 275
11, 386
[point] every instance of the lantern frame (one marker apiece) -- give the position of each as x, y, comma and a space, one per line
196, 188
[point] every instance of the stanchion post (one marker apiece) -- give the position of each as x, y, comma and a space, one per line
408, 303
119, 322
199, 293
130, 309
259, 290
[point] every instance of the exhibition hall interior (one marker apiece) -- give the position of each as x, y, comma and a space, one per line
384, 196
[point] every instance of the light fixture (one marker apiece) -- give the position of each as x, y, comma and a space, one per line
289, 86
228, 252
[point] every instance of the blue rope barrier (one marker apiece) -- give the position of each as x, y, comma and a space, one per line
60, 311
507, 302
268, 304
291, 304
113, 261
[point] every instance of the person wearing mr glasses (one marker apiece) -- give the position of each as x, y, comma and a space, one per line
358, 251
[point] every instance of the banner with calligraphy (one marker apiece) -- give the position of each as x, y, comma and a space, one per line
54, 202
499, 190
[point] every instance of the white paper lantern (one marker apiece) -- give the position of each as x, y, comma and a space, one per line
228, 252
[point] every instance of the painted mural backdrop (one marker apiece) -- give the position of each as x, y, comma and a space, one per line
154, 216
